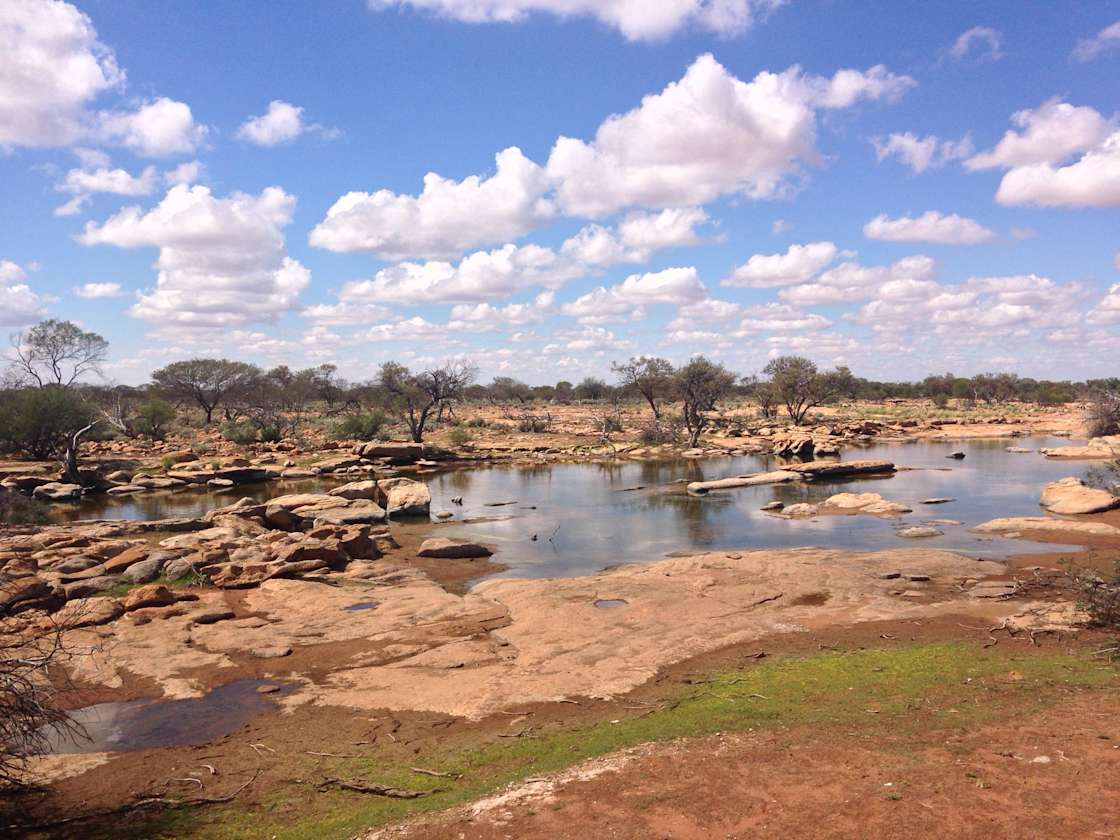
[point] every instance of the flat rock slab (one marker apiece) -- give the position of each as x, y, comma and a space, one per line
1014, 524
1071, 496
753, 480
813, 469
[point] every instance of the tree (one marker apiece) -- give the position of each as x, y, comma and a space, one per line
506, 389
799, 386
417, 396
699, 385
207, 382
57, 353
39, 422
152, 418
650, 376
592, 389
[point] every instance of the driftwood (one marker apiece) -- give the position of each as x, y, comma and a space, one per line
373, 789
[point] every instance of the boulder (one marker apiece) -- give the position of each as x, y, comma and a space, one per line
80, 563
870, 503
918, 531
452, 549
90, 586
1071, 496
357, 490
153, 595
795, 446
801, 510
404, 497
57, 491
125, 489
1098, 447
179, 568
1014, 524
393, 451
357, 512
143, 572
21, 590
88, 612
126, 558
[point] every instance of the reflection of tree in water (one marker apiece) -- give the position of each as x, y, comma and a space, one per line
459, 480
696, 518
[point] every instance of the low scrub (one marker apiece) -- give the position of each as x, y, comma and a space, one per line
1099, 597
534, 423
360, 426
17, 509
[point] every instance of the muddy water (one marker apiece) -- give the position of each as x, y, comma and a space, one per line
148, 724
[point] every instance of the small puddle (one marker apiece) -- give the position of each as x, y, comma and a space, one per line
150, 724
610, 603
364, 605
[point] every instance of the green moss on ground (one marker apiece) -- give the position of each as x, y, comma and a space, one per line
885, 694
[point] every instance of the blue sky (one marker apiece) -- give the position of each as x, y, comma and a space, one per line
902, 188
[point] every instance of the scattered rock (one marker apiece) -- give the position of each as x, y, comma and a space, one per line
919, 531
153, 595
993, 589
801, 510
452, 549
89, 612
90, 586
144, 571
405, 497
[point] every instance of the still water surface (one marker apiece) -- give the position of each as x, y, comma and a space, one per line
588, 516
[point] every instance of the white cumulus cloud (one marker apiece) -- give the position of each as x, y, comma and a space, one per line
281, 123
19, 305
921, 153
707, 135
52, 68
446, 219
1091, 181
982, 43
797, 265
98, 291
931, 226
160, 128
637, 20
1047, 134
222, 261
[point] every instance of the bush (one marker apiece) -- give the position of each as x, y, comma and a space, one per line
38, 421
17, 509
153, 417
658, 432
269, 433
234, 432
941, 400
534, 423
1104, 416
359, 426
1100, 597
459, 436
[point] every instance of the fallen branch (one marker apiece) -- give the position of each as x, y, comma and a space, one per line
374, 790
333, 755
436, 773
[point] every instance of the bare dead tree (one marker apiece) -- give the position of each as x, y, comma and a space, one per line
57, 353
30, 715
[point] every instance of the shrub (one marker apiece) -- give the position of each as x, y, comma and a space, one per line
459, 436
17, 509
534, 423
657, 432
269, 432
234, 432
1100, 597
38, 421
153, 417
1104, 416
609, 423
941, 400
359, 426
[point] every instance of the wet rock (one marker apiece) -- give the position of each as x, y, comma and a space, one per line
1099, 447
57, 491
752, 480
220, 483
90, 586
404, 497
452, 549
296, 473
869, 503
801, 510
153, 595
1019, 450
1071, 496
796, 446
823, 469
918, 531
773, 506
125, 490
938, 500
956, 456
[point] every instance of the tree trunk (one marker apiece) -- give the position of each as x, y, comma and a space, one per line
73, 474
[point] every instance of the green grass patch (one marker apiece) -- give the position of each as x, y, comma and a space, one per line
887, 694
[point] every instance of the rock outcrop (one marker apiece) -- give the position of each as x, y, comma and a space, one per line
1071, 496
